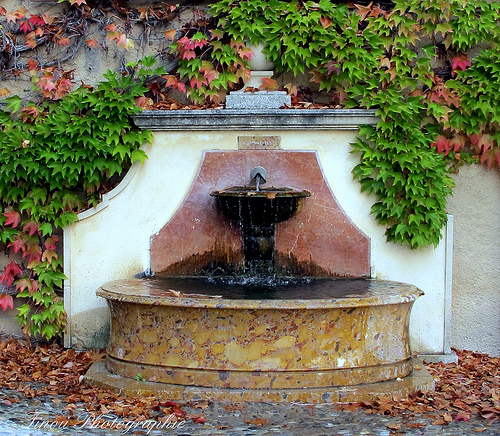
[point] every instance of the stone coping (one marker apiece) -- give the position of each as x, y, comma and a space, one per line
149, 292
255, 119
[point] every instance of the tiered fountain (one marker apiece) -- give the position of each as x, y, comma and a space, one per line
262, 292
258, 334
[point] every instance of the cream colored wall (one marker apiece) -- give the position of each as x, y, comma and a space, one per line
475, 321
114, 242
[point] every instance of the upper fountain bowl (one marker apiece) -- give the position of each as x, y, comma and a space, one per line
265, 206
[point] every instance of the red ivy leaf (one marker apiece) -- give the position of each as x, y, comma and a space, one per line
6, 302
13, 218
490, 156
32, 64
48, 19
181, 87
31, 40
363, 11
458, 142
31, 226
91, 43
29, 112
50, 243
29, 284
333, 67
63, 88
442, 144
34, 252
170, 34
188, 54
25, 27
460, 63
36, 20
485, 142
11, 17
10, 272
197, 83
19, 244
144, 102
171, 80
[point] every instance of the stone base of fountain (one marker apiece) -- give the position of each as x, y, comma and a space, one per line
323, 347
419, 379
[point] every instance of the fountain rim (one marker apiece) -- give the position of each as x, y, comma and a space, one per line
142, 291
269, 192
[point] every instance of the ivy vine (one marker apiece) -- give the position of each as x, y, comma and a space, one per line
58, 157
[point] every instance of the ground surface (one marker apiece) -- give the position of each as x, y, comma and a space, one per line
41, 394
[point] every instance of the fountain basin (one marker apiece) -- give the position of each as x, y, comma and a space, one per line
266, 206
203, 340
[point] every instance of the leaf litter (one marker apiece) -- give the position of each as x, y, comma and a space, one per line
464, 390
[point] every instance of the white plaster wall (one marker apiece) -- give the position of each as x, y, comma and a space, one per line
475, 323
114, 243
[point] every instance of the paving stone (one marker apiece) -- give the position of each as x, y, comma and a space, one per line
16, 419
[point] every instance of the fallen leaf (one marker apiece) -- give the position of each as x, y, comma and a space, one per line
258, 422
393, 426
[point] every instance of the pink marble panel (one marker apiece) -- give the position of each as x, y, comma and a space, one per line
319, 240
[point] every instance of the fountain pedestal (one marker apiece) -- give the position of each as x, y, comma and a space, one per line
325, 349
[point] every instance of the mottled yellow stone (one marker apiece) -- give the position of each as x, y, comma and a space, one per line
239, 329
285, 342
282, 343
174, 342
220, 335
260, 329
218, 348
152, 359
149, 336
236, 354
202, 353
304, 333
202, 337
256, 349
192, 326
269, 363
327, 343
172, 360
418, 380
162, 348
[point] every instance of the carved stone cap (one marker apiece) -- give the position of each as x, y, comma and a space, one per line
256, 119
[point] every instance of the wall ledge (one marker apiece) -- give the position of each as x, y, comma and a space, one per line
255, 119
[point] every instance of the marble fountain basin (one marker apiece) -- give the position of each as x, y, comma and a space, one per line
318, 333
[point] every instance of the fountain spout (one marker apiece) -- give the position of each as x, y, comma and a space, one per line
259, 175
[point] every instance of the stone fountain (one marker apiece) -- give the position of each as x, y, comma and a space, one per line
246, 322
259, 285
